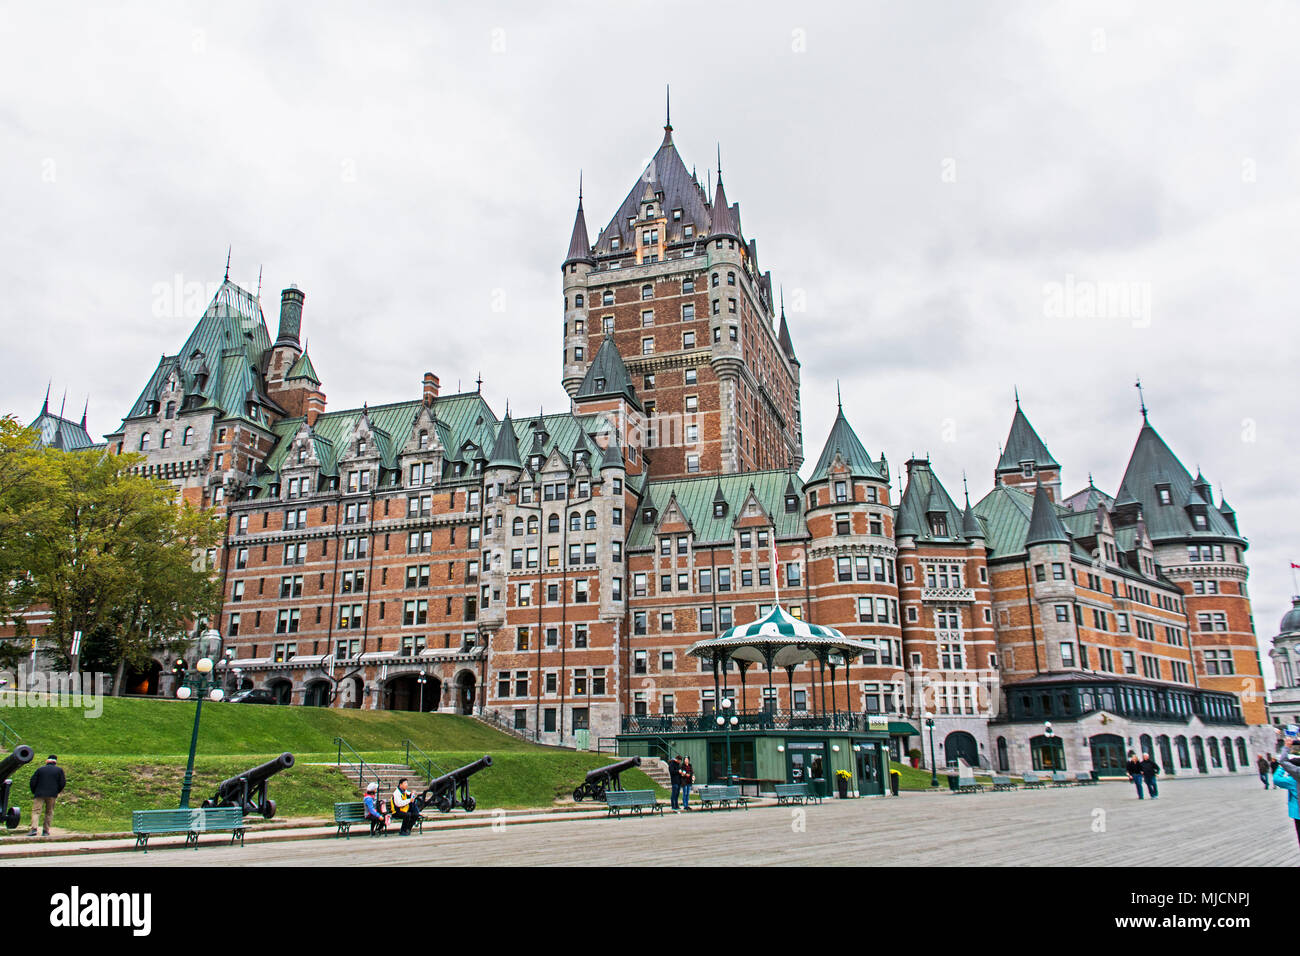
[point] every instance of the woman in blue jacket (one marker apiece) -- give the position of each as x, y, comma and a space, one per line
1287, 777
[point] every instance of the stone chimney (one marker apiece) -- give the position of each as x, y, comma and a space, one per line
430, 388
290, 316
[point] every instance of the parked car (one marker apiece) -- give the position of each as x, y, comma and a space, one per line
258, 695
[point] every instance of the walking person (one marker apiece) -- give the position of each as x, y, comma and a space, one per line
1265, 771
688, 778
46, 784
1134, 770
1149, 768
675, 778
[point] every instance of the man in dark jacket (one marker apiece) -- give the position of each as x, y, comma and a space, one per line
1148, 769
1134, 770
675, 778
46, 784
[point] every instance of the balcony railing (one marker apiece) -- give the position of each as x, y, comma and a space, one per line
947, 594
699, 723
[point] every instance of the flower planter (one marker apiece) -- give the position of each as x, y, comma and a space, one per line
842, 786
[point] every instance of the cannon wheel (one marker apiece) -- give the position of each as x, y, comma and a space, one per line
578, 794
469, 804
268, 810
599, 793
13, 818
444, 803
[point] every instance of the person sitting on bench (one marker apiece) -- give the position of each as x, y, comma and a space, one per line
375, 814
402, 806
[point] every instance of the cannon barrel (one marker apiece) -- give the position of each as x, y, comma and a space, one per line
22, 754
229, 789
460, 773
613, 769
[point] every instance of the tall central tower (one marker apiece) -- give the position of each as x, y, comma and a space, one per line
676, 286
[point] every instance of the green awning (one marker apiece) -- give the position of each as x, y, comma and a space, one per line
903, 727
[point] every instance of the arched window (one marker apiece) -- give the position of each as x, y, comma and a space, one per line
553, 524
647, 291
517, 526
166, 438
575, 521
144, 442
532, 524
578, 300
187, 436
591, 521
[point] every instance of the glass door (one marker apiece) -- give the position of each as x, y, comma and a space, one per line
871, 781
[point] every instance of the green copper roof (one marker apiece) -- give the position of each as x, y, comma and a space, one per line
925, 496
304, 369
608, 376
1044, 525
695, 497
505, 450
844, 441
1023, 444
1153, 465
220, 363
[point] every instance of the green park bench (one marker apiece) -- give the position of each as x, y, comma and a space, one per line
964, 783
720, 795
1033, 781
191, 822
1003, 783
795, 793
349, 815
633, 801
1061, 779
1084, 778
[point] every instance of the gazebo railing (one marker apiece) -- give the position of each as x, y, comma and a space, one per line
768, 719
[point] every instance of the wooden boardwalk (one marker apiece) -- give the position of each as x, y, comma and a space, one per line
1221, 821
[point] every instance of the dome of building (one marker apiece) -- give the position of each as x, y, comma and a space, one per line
1291, 620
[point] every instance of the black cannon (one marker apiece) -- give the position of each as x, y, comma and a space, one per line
451, 790
248, 790
22, 754
601, 781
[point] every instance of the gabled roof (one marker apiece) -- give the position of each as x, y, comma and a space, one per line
695, 497
680, 190
1023, 444
924, 496
844, 441
1044, 524
608, 376
303, 368
228, 342
1153, 464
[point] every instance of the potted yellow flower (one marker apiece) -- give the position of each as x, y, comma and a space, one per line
842, 778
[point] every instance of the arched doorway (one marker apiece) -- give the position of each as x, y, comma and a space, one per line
1198, 748
351, 691
1228, 755
316, 694
1003, 763
406, 692
465, 692
1048, 753
1147, 745
961, 744
1108, 759
144, 681
1166, 755
282, 688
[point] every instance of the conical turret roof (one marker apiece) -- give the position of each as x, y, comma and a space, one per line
579, 243
844, 441
505, 450
1023, 444
1045, 525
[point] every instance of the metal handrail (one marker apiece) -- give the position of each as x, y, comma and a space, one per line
359, 765
767, 719
8, 736
428, 764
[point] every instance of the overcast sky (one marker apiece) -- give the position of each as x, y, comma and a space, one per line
958, 198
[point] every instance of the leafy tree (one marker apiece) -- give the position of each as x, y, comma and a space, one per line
24, 473
110, 554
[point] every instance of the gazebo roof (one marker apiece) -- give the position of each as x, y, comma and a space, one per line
786, 640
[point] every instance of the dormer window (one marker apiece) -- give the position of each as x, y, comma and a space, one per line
719, 509
424, 440
688, 232
648, 516
535, 463
361, 446
939, 525
791, 504
600, 384
615, 244
1200, 522
1164, 495
302, 455
1027, 469
677, 215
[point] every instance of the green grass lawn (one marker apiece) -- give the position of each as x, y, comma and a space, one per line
919, 779
132, 757
162, 727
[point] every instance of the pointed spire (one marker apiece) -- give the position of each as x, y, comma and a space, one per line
64, 404
783, 334
228, 251
839, 402
1142, 402
724, 223
580, 241
1044, 524
668, 109
84, 411
1023, 444
259, 282
505, 450
970, 522
1016, 389
45, 409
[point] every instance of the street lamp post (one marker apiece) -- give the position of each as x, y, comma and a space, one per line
197, 685
421, 681
1047, 729
727, 720
934, 768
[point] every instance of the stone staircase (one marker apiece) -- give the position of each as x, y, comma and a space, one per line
387, 774
656, 770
